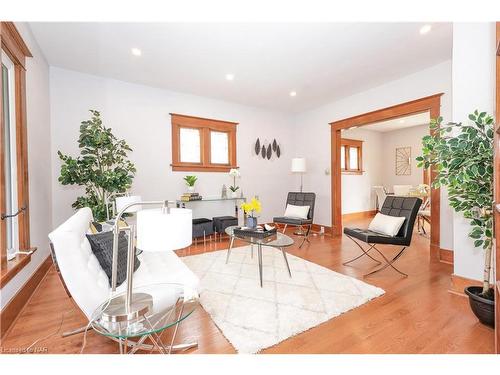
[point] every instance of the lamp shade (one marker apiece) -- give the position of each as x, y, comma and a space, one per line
122, 202
162, 230
299, 165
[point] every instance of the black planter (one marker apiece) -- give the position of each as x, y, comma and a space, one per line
483, 308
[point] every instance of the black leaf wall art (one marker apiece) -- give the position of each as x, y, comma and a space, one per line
267, 151
257, 147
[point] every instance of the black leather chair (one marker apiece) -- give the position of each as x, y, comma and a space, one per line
393, 206
299, 199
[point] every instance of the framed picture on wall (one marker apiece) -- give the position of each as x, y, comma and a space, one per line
403, 161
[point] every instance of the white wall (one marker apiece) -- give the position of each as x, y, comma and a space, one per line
313, 131
39, 168
409, 137
473, 88
360, 195
140, 115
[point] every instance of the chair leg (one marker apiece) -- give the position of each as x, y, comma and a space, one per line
284, 229
365, 252
389, 263
306, 236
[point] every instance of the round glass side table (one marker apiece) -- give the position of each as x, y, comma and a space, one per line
169, 304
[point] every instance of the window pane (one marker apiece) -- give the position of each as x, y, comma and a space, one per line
190, 145
9, 146
353, 158
219, 147
342, 157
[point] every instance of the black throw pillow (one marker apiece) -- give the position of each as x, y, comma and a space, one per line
102, 247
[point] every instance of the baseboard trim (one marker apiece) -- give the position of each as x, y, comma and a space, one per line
446, 256
13, 309
317, 228
459, 283
359, 215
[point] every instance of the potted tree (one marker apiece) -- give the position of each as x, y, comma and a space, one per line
102, 167
462, 156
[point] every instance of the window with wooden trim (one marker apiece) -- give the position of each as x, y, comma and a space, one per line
351, 156
14, 188
201, 144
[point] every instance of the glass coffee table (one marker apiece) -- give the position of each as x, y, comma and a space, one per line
168, 305
278, 241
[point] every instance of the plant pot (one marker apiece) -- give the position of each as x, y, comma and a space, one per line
191, 189
483, 308
234, 194
251, 222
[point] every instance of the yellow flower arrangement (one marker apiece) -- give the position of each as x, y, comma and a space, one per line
251, 207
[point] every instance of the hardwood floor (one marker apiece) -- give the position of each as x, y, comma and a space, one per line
416, 315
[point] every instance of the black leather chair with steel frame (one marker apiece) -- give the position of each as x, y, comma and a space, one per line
299, 199
393, 206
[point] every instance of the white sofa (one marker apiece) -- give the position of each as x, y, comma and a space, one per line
83, 276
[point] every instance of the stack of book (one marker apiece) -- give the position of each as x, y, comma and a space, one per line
188, 197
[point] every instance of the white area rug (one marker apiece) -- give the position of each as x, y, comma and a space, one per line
253, 318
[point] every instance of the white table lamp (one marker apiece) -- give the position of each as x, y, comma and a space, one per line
161, 230
299, 166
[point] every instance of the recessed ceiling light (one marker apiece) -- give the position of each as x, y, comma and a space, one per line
293, 93
230, 77
136, 52
425, 29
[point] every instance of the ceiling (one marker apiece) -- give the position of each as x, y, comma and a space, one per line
399, 123
321, 62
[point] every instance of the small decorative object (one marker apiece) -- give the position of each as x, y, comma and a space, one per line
403, 161
257, 147
269, 152
423, 189
224, 192
278, 151
275, 145
251, 208
234, 173
263, 153
190, 181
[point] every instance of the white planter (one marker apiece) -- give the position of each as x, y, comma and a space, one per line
191, 189
234, 194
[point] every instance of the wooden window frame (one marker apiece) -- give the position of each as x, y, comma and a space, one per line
205, 126
13, 45
348, 144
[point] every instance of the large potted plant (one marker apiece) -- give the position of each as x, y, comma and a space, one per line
102, 167
462, 156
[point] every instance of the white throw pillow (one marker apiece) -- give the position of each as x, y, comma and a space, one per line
389, 225
296, 211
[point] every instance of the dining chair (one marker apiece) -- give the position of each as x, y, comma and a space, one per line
402, 190
424, 216
381, 195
